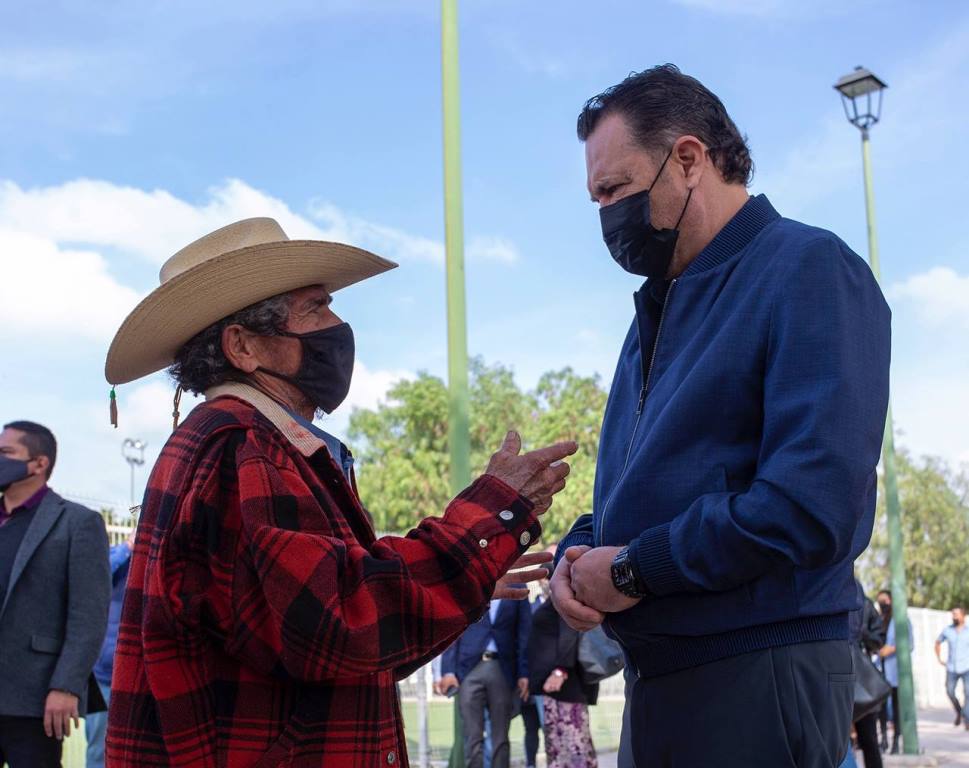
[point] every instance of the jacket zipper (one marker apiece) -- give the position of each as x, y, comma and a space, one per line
639, 407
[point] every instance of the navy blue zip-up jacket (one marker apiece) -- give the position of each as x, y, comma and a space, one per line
739, 444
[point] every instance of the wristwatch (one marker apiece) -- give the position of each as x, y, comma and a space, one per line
624, 577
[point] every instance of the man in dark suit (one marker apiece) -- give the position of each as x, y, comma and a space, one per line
489, 663
54, 592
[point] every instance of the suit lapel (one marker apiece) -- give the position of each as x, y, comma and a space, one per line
47, 513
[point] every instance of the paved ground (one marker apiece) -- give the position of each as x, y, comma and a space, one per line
937, 737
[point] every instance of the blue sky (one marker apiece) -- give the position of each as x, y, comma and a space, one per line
131, 128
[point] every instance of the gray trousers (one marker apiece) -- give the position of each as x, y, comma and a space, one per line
786, 707
486, 686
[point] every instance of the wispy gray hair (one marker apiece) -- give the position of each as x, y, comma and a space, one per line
202, 364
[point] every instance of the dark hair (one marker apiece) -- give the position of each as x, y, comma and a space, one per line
884, 592
201, 363
660, 105
38, 440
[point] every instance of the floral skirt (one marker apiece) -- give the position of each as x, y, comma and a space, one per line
568, 740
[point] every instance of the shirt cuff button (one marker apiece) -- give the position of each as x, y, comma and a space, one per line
525, 538
482, 543
506, 514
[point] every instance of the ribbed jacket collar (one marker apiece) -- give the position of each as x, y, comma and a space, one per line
756, 214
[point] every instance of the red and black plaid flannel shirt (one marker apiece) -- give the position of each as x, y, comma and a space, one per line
264, 624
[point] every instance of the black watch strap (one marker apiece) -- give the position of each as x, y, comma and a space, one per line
624, 575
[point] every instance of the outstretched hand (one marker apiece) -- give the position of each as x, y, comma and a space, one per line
537, 475
504, 591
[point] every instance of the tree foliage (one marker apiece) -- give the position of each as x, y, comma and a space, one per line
935, 533
402, 445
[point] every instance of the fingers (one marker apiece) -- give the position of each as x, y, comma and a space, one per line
574, 553
512, 443
58, 718
546, 483
555, 452
532, 558
49, 723
576, 614
532, 574
509, 593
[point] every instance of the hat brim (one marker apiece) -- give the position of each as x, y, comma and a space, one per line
190, 302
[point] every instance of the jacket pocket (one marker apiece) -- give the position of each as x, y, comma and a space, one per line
43, 644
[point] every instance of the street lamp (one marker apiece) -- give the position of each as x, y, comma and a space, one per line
857, 89
861, 95
134, 453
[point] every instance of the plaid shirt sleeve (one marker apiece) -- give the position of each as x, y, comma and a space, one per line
325, 606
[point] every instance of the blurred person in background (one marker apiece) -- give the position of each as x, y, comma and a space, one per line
54, 594
868, 631
956, 664
556, 675
96, 723
489, 664
888, 659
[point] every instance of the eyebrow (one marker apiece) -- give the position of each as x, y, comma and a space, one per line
608, 181
316, 301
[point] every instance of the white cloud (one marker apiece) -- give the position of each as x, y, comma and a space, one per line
494, 249
152, 225
80, 297
155, 224
941, 296
930, 413
386, 241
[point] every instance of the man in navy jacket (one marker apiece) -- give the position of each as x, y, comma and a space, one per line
490, 664
736, 473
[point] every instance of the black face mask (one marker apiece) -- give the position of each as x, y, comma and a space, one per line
327, 367
635, 244
12, 471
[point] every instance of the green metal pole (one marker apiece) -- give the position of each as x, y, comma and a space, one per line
903, 648
459, 440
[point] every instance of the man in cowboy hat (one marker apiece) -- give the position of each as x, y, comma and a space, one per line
265, 624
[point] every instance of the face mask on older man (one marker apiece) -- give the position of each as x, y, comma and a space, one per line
327, 367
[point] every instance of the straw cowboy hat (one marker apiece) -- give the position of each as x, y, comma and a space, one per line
219, 274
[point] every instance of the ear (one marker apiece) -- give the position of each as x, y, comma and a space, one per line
43, 463
691, 155
239, 348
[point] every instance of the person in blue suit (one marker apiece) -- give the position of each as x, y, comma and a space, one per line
489, 665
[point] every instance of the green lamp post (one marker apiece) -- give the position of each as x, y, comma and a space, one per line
459, 439
861, 95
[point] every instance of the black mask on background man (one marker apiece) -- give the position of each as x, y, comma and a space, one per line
327, 366
635, 244
11, 471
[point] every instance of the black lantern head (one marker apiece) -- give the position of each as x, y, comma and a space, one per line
861, 95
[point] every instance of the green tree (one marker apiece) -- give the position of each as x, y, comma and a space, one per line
402, 449
935, 530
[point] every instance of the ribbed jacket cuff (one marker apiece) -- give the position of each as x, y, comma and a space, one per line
653, 561
574, 539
